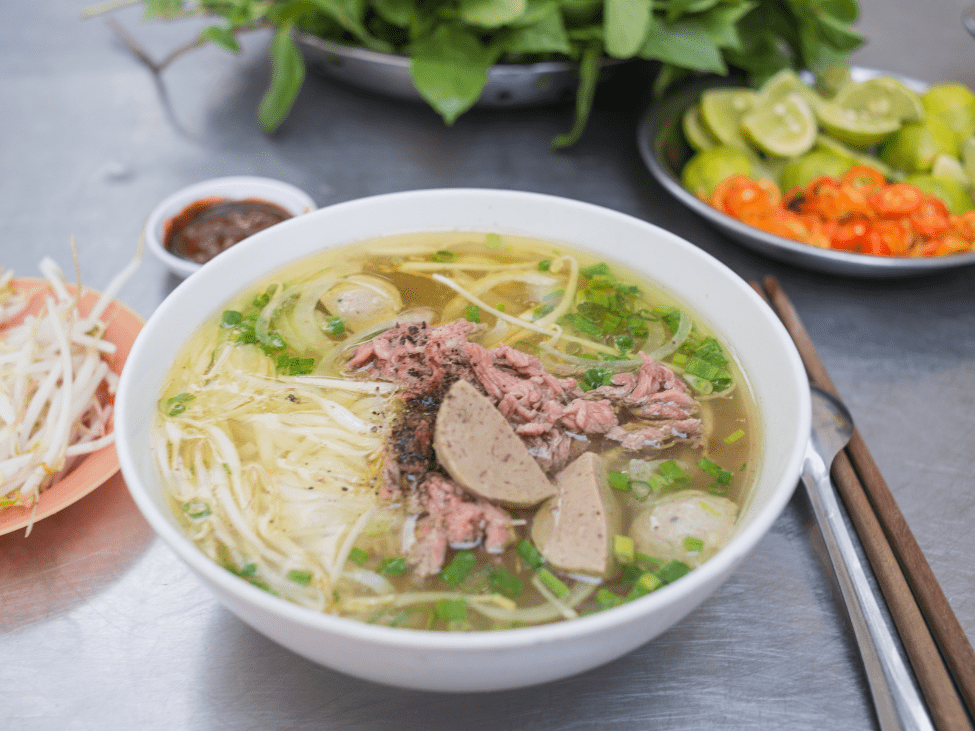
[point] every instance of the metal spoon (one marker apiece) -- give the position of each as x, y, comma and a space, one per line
895, 695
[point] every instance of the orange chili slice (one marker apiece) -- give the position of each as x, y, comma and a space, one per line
897, 199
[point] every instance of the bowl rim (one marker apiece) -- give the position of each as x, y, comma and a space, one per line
722, 563
292, 198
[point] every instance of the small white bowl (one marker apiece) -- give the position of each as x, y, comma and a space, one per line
478, 661
292, 199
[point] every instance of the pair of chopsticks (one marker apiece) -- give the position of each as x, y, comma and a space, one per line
939, 652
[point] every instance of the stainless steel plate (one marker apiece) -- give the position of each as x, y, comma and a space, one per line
664, 151
509, 85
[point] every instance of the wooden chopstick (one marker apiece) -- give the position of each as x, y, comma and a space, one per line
917, 604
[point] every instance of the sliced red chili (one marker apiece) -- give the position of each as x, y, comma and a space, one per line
863, 179
897, 199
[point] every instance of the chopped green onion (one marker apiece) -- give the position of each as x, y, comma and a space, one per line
693, 545
596, 270
645, 583
544, 265
530, 554
358, 556
505, 582
619, 480
459, 567
673, 570
672, 471
392, 566
552, 582
631, 573
623, 549
608, 599
334, 326
196, 509
300, 577
231, 318
472, 313
720, 474
734, 436
641, 490
451, 609
444, 256
177, 404
248, 570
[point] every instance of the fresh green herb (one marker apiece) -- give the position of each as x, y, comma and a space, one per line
734, 436
458, 568
451, 609
619, 480
530, 554
504, 582
392, 566
472, 313
358, 556
300, 577
453, 44
231, 318
596, 377
334, 326
248, 570
693, 545
443, 256
623, 549
196, 509
544, 265
552, 582
177, 404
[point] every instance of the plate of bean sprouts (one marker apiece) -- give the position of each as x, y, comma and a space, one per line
62, 348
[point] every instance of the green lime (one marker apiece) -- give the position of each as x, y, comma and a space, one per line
882, 97
946, 166
854, 127
799, 172
825, 142
914, 146
784, 127
706, 169
695, 132
782, 84
721, 112
953, 104
831, 79
954, 194
968, 158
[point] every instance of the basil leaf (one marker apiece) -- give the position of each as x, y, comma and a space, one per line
450, 69
287, 76
491, 13
625, 23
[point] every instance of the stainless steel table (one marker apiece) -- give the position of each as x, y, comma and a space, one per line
101, 627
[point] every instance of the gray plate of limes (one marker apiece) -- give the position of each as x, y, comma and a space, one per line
662, 138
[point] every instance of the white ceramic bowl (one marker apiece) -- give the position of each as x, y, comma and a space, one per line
478, 661
292, 199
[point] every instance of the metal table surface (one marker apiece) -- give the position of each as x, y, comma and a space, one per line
102, 627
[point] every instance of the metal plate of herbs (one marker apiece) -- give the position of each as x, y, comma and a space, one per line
665, 151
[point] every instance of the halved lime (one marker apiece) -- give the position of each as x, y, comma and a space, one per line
967, 156
954, 194
830, 144
948, 167
805, 168
882, 97
784, 127
831, 79
721, 112
785, 82
695, 132
853, 127
707, 168
953, 104
914, 146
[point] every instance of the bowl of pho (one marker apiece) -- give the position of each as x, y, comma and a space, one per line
462, 440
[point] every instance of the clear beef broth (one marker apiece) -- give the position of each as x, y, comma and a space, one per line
309, 515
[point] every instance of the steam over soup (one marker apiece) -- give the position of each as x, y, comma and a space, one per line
456, 431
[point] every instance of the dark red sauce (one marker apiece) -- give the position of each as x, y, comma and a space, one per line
210, 225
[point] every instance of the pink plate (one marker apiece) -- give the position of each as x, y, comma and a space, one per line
123, 326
